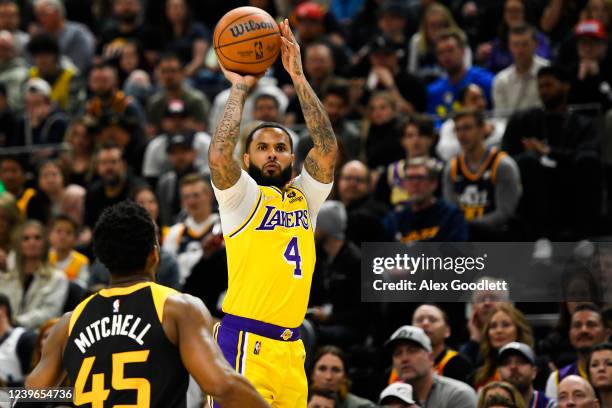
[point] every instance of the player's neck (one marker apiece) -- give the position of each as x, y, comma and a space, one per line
129, 280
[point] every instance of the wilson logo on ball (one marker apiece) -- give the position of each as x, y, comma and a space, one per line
240, 29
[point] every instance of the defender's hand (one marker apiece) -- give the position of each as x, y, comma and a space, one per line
292, 59
235, 78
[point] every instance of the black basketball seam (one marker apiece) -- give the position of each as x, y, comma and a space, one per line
238, 18
248, 39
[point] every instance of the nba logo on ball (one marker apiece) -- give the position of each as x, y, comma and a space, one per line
259, 50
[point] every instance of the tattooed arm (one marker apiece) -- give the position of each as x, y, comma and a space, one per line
224, 169
322, 157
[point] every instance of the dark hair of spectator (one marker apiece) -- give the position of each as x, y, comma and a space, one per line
517, 398
127, 229
334, 351
15, 158
330, 395
455, 34
64, 218
170, 56
104, 65
18, 241
498, 400
595, 348
590, 307
268, 97
554, 71
108, 146
470, 112
43, 44
339, 88
442, 311
524, 29
424, 123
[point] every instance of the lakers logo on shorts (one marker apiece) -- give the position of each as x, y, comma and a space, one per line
286, 334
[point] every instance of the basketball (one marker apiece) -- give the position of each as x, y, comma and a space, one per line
247, 40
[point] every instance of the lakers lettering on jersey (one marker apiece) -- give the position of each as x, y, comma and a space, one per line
117, 351
476, 190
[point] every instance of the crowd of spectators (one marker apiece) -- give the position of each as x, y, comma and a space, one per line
457, 120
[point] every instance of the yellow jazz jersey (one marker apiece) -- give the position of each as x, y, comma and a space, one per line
271, 259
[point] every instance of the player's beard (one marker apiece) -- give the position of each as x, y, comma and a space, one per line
275, 181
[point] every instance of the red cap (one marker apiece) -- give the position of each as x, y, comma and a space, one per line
309, 10
591, 28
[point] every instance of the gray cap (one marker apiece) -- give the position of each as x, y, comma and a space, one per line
410, 333
517, 348
398, 390
332, 219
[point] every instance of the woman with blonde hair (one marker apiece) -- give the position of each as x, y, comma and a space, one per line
10, 219
506, 324
37, 291
504, 389
422, 60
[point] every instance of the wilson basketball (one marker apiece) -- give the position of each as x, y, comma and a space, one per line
247, 40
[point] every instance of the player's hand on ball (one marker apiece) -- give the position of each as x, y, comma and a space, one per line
235, 78
290, 49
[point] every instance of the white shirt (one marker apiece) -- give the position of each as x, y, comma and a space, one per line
512, 91
448, 146
155, 161
236, 202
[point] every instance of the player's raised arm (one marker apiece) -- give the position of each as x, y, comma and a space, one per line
49, 372
321, 159
224, 169
203, 358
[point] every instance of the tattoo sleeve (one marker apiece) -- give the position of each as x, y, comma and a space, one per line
320, 161
224, 169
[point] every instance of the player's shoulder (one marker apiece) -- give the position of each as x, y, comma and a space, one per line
181, 306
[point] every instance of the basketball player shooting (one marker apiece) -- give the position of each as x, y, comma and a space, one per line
268, 223
136, 342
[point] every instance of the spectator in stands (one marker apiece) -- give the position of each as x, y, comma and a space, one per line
557, 17
587, 328
184, 239
13, 70
382, 146
497, 54
336, 100
10, 220
43, 123
499, 389
417, 140
393, 23
321, 399
36, 291
15, 347
516, 86
266, 109
447, 362
75, 40
484, 182
171, 76
498, 401
442, 95
518, 367
182, 157
10, 20
114, 185
335, 296
13, 177
130, 60
423, 61
557, 150
63, 236
413, 361
364, 211
7, 118
177, 121
470, 97
386, 74
600, 372
397, 395
67, 87
77, 160
506, 324
329, 373
575, 391
591, 73
425, 218
189, 39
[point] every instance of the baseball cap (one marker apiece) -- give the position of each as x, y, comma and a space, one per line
410, 333
309, 10
382, 43
516, 347
39, 86
398, 390
180, 139
175, 107
332, 218
591, 28
394, 7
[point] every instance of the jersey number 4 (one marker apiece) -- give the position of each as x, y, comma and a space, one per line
292, 256
99, 394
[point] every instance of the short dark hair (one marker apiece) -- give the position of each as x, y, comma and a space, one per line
102, 66
64, 218
597, 347
334, 351
169, 56
470, 112
123, 238
339, 88
43, 44
424, 123
464, 91
453, 33
268, 97
554, 71
264, 125
108, 145
322, 393
523, 29
590, 307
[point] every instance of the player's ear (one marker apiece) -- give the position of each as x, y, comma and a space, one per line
246, 160
153, 260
